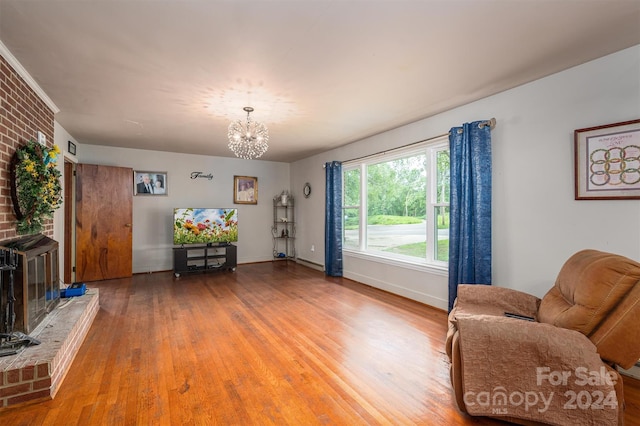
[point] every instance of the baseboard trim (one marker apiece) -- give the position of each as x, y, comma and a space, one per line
311, 264
399, 290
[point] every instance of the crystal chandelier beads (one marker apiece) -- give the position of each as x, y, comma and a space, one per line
248, 139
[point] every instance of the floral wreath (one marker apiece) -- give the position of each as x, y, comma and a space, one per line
35, 189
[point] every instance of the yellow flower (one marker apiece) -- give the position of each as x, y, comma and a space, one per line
30, 167
38, 187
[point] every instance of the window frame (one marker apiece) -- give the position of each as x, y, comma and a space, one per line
430, 149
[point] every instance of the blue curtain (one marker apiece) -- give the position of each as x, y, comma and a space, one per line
470, 206
333, 220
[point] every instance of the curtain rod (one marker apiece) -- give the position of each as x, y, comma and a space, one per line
491, 123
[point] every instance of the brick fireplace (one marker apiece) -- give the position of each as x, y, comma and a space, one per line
39, 335
35, 374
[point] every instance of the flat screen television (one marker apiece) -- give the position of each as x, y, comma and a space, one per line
205, 226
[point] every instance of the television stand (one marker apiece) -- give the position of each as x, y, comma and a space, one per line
205, 259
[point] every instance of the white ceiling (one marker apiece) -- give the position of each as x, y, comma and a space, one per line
171, 75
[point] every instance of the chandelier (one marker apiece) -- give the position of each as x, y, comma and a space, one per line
248, 139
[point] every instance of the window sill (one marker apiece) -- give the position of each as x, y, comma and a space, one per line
399, 262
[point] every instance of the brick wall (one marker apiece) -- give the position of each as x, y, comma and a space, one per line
36, 373
22, 115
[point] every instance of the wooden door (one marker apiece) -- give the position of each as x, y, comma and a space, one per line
69, 233
104, 198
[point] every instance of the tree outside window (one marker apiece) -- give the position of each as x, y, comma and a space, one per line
404, 202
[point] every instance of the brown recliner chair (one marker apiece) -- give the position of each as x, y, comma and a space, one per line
560, 367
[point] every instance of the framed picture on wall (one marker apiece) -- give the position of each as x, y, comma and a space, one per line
607, 162
149, 183
245, 190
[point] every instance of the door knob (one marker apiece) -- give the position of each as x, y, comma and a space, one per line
128, 225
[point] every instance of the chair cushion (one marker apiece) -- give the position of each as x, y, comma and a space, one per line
589, 287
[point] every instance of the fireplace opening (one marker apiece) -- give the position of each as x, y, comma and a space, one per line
29, 289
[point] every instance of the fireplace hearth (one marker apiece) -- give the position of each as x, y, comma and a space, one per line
30, 313
36, 373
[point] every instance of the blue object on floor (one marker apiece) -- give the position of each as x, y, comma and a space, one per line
75, 289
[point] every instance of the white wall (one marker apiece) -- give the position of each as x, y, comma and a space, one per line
61, 138
153, 216
537, 224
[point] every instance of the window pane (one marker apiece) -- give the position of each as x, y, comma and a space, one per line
396, 206
352, 187
442, 231
351, 228
442, 167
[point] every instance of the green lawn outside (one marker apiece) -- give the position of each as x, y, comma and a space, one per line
419, 249
393, 220
352, 223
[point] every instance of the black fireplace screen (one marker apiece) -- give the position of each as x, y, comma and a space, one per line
11, 342
8, 265
29, 285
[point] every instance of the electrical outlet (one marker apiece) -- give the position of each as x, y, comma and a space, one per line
42, 138
313, 247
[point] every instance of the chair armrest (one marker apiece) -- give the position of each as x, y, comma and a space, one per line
506, 299
548, 366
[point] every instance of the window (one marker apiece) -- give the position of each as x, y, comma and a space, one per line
396, 206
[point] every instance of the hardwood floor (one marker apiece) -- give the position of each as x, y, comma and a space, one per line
272, 343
